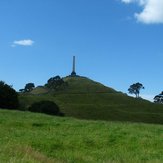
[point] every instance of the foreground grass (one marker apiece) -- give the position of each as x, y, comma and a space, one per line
28, 137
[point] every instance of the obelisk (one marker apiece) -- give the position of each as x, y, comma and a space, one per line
73, 67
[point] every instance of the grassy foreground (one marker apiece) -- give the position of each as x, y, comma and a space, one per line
35, 138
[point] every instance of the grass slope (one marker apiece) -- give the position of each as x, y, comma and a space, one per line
38, 138
86, 99
85, 85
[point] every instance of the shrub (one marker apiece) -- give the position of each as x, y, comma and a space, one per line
47, 107
8, 97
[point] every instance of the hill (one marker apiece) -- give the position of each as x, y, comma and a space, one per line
38, 138
87, 99
85, 85
77, 85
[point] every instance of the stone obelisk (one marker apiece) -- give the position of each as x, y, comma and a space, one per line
73, 67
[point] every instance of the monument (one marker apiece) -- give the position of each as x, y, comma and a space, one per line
73, 67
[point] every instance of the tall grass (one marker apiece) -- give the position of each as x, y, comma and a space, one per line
31, 137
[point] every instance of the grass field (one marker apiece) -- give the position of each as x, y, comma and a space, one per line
38, 138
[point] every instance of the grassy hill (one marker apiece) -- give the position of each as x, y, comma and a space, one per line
87, 99
38, 138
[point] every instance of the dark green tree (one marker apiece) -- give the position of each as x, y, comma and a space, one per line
21, 90
135, 89
55, 82
8, 97
29, 87
159, 98
47, 107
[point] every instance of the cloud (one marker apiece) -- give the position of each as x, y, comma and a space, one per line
140, 2
128, 1
26, 42
152, 12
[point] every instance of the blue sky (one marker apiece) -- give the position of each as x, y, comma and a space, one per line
116, 42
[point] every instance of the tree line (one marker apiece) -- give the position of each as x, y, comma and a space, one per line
9, 97
54, 83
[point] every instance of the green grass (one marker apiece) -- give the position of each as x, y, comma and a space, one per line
35, 138
86, 99
85, 85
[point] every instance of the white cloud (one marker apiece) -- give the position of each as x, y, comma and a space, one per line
152, 11
26, 42
140, 2
128, 1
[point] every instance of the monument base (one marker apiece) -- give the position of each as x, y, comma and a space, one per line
73, 73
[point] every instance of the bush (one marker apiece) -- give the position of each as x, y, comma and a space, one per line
8, 97
47, 107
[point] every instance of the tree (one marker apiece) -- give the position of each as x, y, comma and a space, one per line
47, 107
159, 98
135, 89
8, 97
55, 82
21, 90
29, 87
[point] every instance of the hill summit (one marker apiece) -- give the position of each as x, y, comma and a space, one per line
80, 84
76, 84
